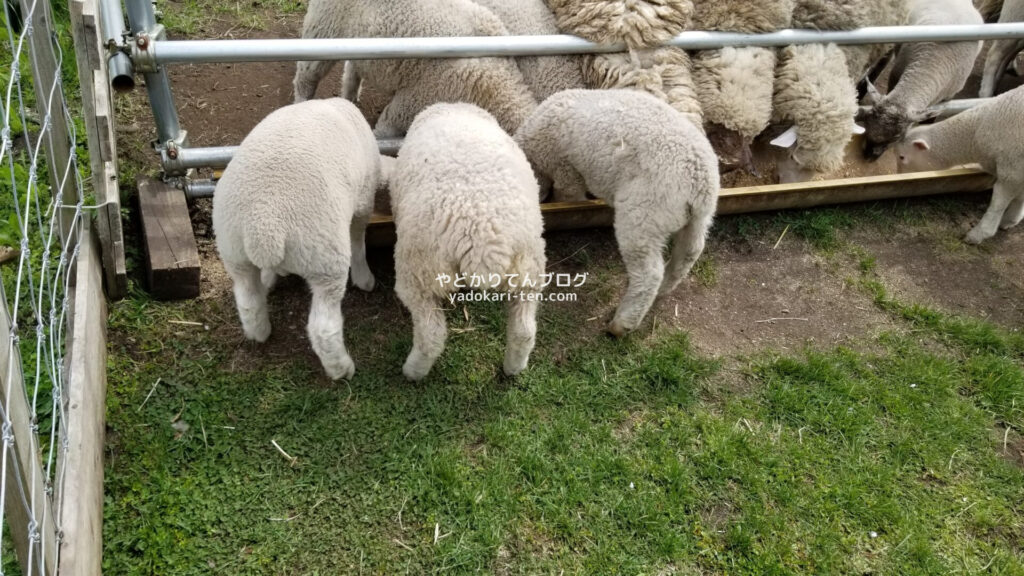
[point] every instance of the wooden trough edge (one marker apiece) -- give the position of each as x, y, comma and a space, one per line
597, 214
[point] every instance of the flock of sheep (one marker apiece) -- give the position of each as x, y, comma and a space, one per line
644, 130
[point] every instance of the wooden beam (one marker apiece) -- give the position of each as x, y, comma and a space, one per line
597, 214
24, 469
81, 508
172, 258
98, 115
46, 80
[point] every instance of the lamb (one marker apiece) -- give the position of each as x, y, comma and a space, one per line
734, 85
465, 204
642, 25
296, 199
924, 74
991, 135
1002, 52
655, 168
815, 85
412, 85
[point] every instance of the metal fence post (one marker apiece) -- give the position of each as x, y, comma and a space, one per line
145, 31
119, 66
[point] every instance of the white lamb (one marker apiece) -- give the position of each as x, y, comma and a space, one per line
1002, 52
465, 204
411, 85
924, 74
296, 199
654, 167
991, 134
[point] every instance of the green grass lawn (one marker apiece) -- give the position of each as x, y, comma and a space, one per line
604, 457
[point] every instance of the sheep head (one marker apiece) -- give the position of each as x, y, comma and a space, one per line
886, 124
914, 154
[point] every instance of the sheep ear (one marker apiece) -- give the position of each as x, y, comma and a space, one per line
786, 139
873, 96
921, 145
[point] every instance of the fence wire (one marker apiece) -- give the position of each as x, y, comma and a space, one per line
40, 217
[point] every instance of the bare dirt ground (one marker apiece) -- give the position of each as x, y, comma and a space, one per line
763, 294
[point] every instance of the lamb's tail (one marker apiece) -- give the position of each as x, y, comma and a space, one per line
265, 245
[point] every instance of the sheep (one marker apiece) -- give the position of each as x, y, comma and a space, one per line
412, 85
813, 92
991, 135
544, 75
654, 167
296, 199
734, 84
1002, 52
924, 74
465, 205
642, 25
816, 85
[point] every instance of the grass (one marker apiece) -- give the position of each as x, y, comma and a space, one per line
634, 457
604, 457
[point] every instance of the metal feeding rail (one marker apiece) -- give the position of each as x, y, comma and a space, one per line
143, 48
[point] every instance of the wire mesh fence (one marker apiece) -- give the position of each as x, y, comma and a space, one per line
42, 218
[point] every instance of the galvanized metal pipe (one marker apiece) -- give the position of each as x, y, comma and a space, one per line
142, 19
954, 107
199, 189
220, 156
112, 29
194, 51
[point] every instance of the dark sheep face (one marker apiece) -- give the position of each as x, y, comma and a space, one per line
884, 125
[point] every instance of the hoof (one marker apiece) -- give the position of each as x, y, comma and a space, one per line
342, 370
414, 371
617, 330
975, 237
260, 333
365, 284
512, 368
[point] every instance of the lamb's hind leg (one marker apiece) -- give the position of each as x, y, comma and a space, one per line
1014, 212
362, 278
251, 300
1002, 196
999, 58
521, 334
641, 253
429, 330
326, 329
687, 247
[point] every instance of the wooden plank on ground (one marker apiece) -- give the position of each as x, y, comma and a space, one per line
172, 258
81, 509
